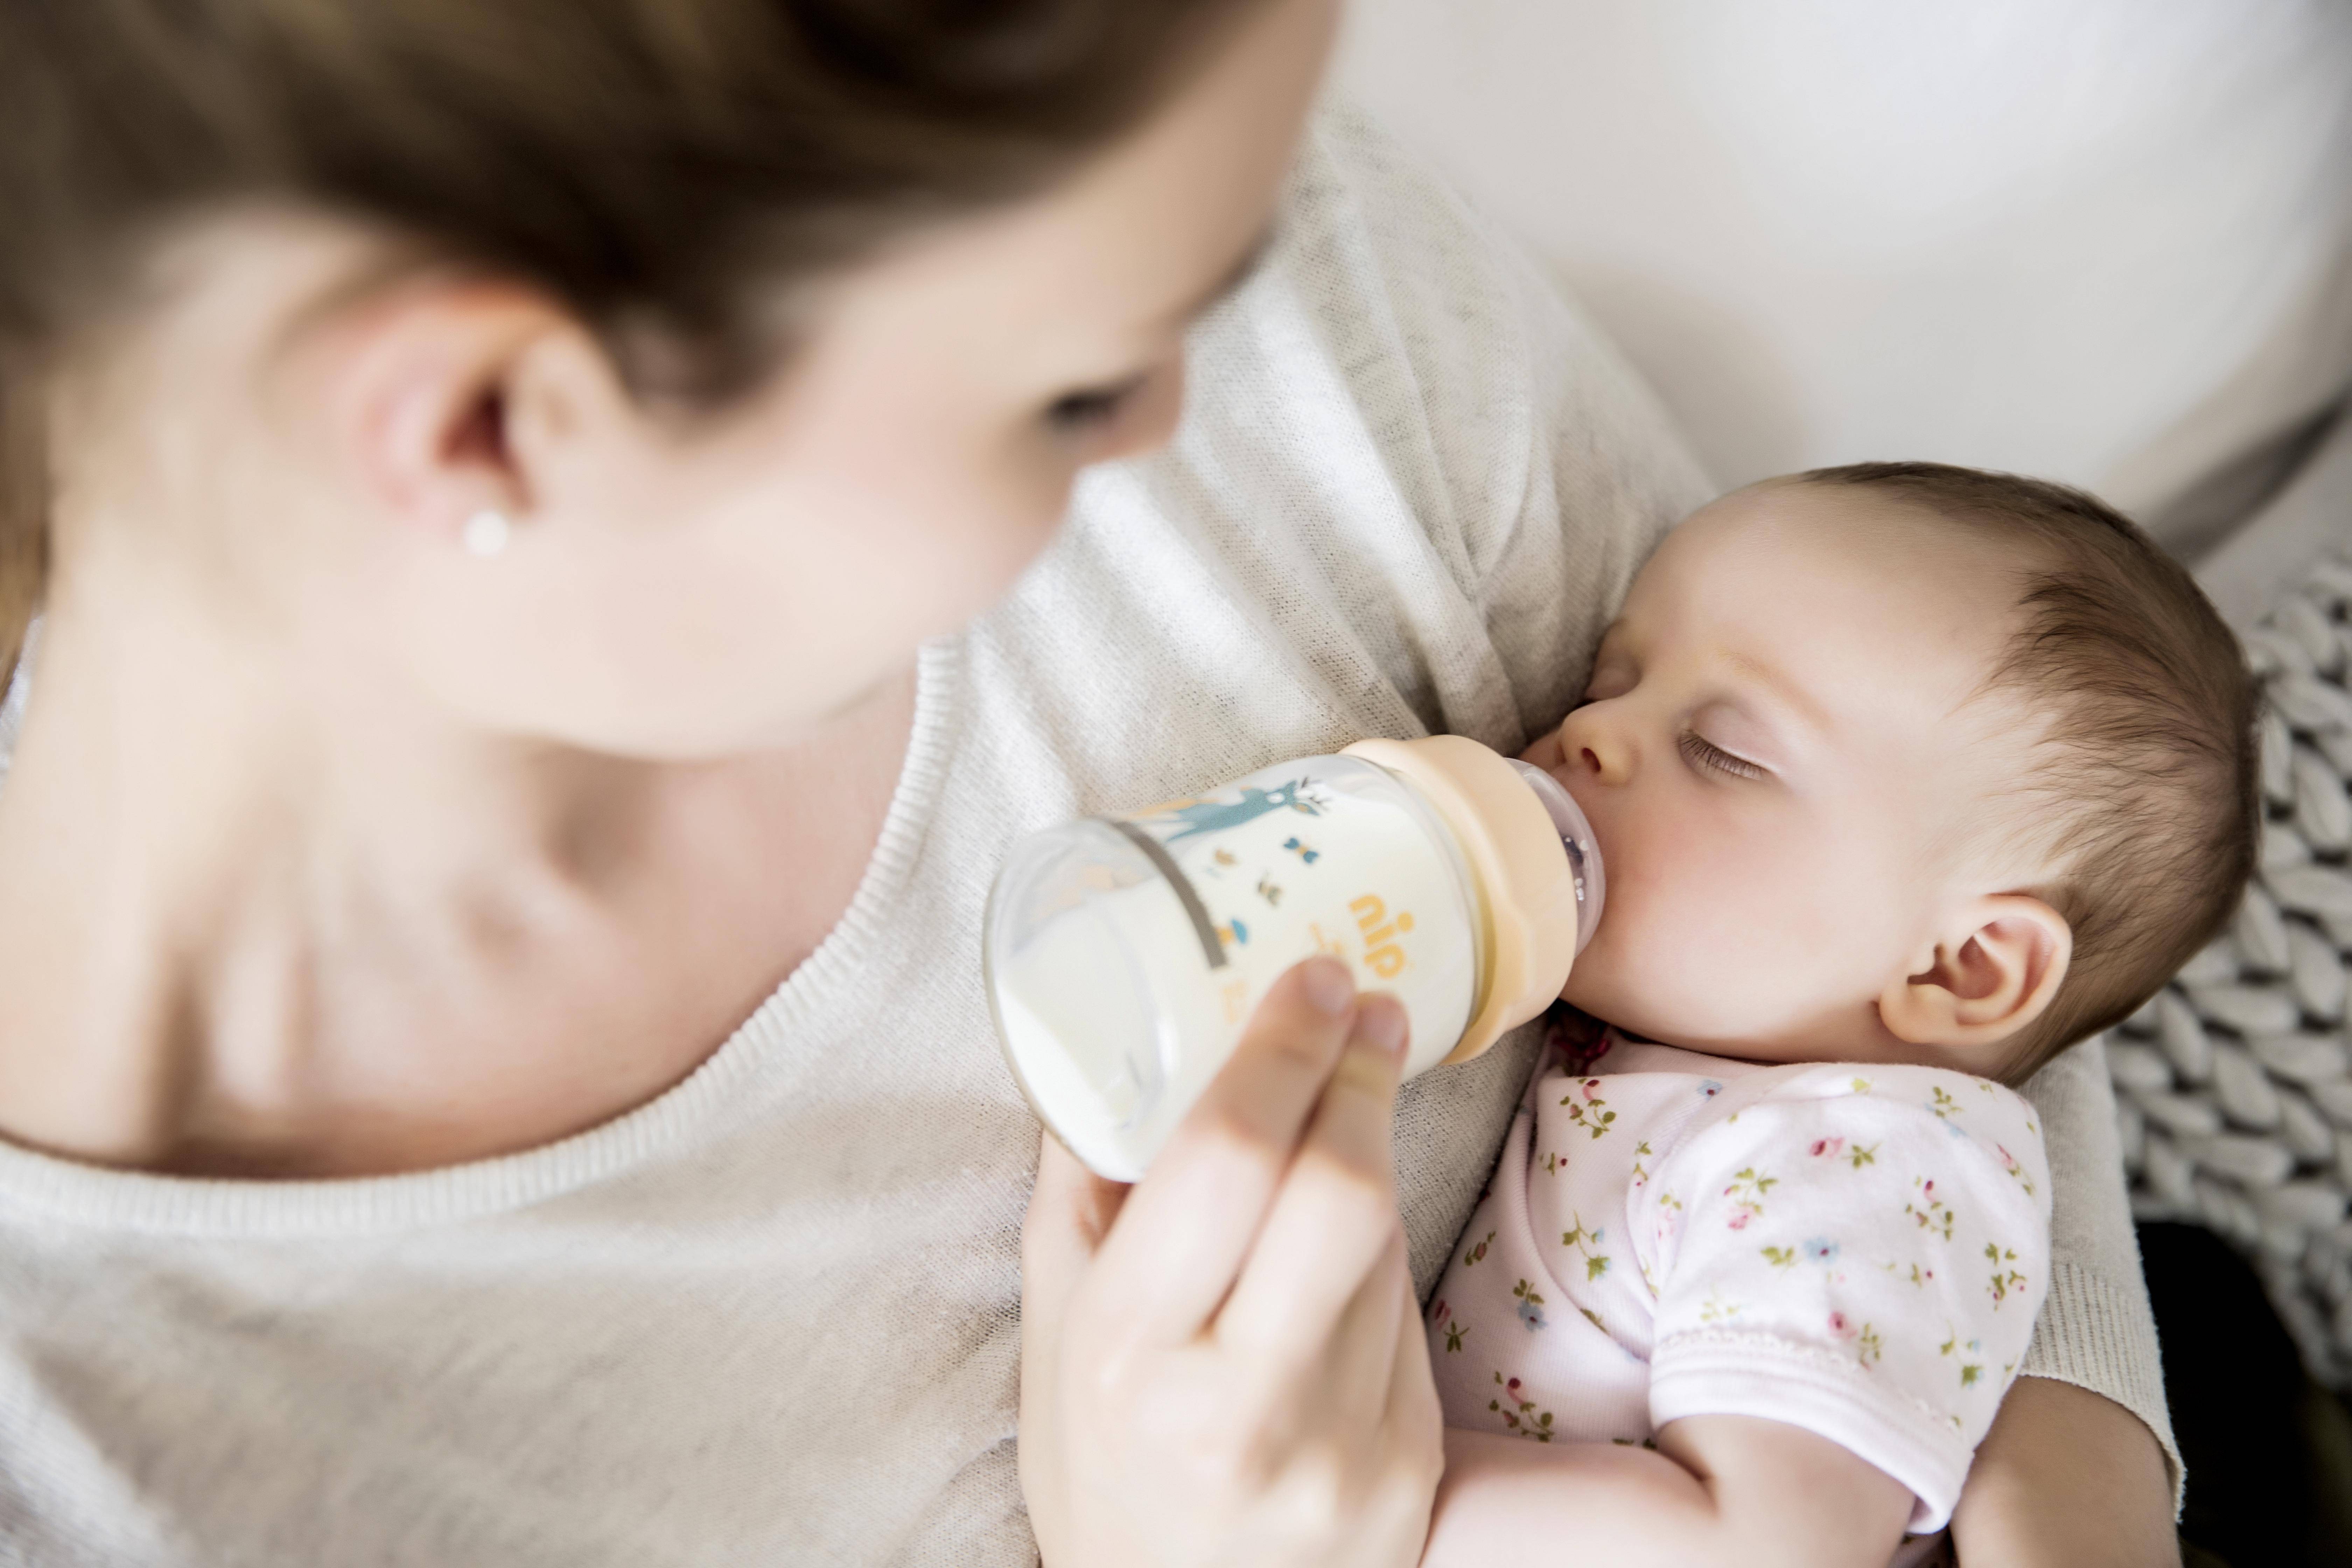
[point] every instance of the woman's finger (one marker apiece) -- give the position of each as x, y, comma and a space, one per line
1189, 1224
1413, 1388
1361, 1361
1413, 1428
1070, 1211
1335, 1214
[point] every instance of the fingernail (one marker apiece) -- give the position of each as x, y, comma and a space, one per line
1381, 1026
1328, 986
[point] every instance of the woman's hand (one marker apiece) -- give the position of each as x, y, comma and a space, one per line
1223, 1364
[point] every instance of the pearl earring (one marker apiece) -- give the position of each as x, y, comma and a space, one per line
486, 531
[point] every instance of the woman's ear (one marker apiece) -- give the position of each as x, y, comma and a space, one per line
1993, 973
443, 397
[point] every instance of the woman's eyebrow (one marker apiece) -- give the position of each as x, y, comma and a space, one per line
1250, 259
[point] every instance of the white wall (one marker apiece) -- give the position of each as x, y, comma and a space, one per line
2108, 241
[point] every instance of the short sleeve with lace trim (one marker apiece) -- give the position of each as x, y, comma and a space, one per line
1857, 1251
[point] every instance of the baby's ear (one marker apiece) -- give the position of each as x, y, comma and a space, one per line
1994, 973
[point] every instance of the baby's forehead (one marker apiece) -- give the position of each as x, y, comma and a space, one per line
1808, 564
1852, 528
1884, 621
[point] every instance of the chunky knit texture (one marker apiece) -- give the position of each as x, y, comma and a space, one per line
2235, 1084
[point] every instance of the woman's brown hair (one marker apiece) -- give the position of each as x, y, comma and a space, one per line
666, 168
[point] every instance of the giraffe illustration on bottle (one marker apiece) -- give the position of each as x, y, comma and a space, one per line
1216, 815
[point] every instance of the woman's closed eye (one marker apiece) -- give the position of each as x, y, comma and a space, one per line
1708, 757
1090, 408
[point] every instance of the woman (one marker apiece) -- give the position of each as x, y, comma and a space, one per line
487, 468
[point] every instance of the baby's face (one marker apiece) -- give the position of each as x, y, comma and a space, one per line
1785, 752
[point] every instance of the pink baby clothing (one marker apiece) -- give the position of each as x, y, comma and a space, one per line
1857, 1249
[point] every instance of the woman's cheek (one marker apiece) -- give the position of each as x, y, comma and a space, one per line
953, 551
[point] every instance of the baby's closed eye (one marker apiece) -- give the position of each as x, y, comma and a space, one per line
1707, 757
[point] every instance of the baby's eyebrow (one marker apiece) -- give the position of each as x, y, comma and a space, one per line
1791, 694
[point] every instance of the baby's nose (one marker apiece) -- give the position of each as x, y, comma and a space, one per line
1591, 744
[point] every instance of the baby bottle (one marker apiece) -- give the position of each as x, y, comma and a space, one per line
1125, 953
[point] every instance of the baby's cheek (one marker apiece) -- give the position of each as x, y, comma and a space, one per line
1661, 969
1713, 952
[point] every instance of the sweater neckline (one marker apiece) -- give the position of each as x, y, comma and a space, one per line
95, 1196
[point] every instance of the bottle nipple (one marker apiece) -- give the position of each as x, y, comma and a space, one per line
1583, 849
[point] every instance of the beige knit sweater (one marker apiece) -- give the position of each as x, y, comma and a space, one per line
772, 1316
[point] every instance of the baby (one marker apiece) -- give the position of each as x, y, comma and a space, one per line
1908, 777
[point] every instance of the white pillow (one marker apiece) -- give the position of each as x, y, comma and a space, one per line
2107, 241
2271, 553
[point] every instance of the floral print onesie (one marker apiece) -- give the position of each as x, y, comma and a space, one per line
1855, 1250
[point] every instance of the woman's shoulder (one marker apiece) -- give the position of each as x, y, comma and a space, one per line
1426, 301
1356, 185
1402, 423
1397, 326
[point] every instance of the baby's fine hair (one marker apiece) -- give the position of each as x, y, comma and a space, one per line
2149, 768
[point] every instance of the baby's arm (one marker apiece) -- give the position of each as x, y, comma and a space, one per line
1844, 1274
1719, 1489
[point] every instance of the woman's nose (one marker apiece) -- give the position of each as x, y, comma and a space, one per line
1593, 743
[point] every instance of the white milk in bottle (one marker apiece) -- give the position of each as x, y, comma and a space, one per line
1126, 954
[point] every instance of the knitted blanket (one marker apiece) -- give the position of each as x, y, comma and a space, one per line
2233, 1087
